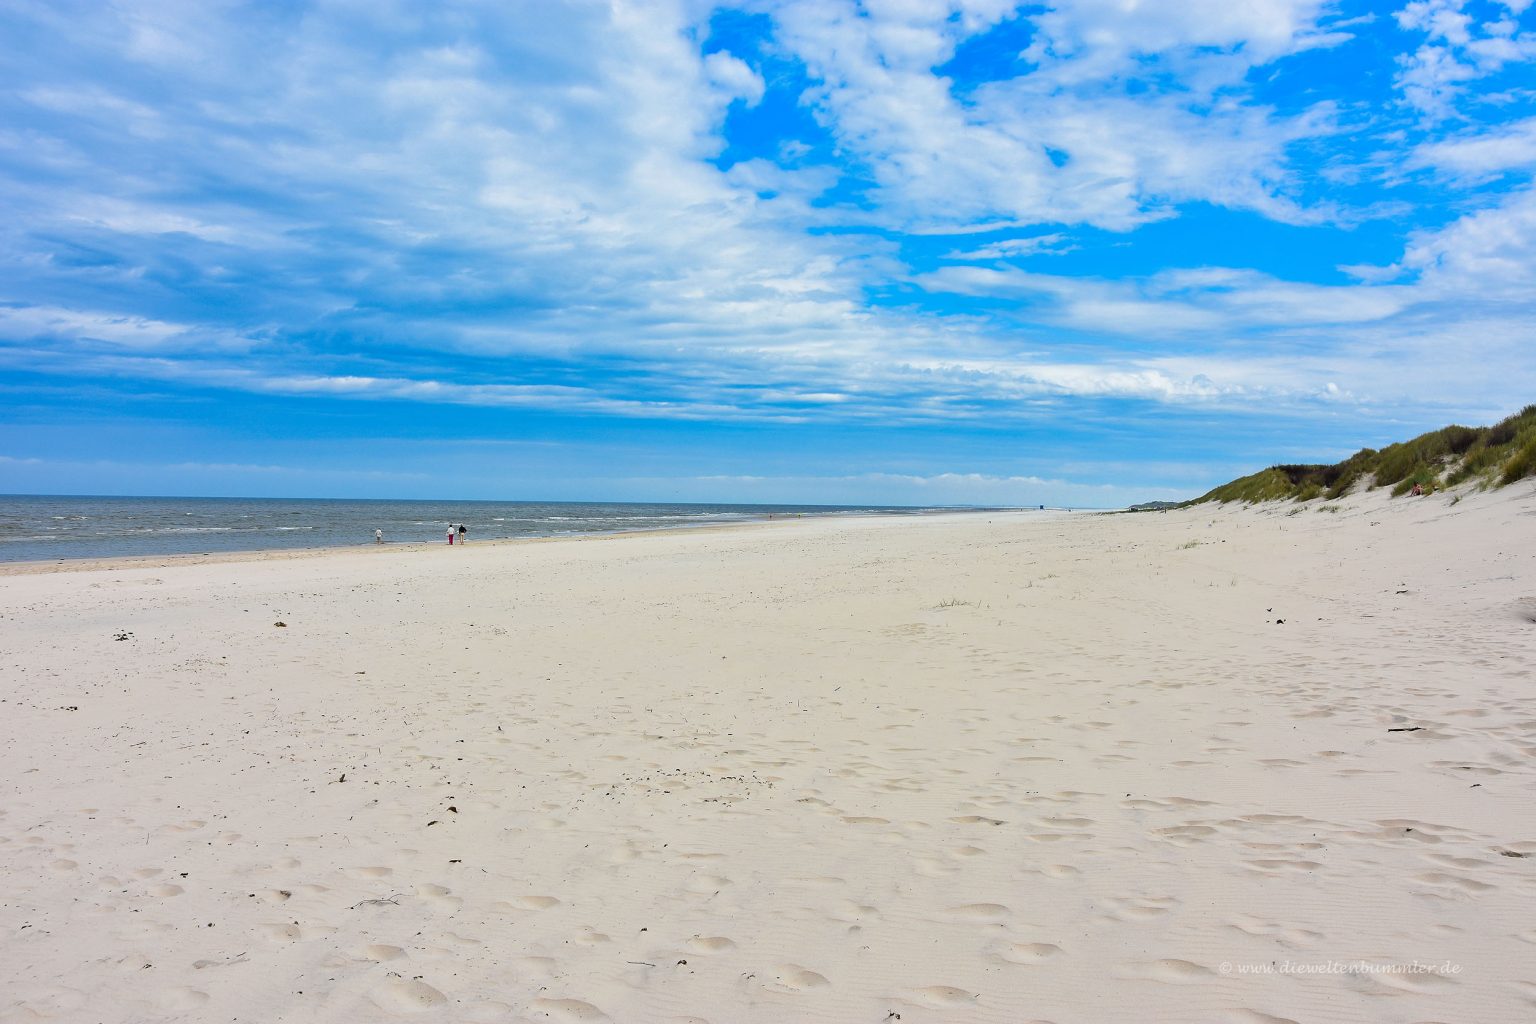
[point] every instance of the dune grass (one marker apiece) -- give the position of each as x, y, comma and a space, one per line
1489, 456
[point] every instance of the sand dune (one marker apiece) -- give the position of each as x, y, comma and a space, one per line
983, 767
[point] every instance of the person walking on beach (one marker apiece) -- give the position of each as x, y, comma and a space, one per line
463, 534
378, 536
450, 535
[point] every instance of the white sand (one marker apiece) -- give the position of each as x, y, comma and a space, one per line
973, 768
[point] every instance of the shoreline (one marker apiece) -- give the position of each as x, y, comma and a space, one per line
32, 567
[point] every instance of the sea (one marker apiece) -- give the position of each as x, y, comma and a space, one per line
58, 527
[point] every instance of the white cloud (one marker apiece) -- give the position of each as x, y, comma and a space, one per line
1487, 255
1063, 141
1458, 49
134, 333
1176, 302
1478, 156
1214, 41
732, 76
1014, 248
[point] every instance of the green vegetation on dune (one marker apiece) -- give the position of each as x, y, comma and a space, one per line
1488, 456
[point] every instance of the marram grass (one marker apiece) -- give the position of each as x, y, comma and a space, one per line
1487, 456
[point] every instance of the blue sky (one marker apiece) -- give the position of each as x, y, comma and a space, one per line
906, 251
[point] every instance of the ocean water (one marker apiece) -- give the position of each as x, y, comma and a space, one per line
41, 527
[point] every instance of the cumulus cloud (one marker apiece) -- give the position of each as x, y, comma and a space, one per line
1064, 139
1458, 48
1488, 254
734, 77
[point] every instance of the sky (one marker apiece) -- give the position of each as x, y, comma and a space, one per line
894, 251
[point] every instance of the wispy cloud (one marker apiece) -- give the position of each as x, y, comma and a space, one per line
1477, 156
1013, 248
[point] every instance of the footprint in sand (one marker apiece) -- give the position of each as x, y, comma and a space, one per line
939, 997
48, 1003
707, 885
1172, 972
1273, 865
977, 819
1287, 934
454, 939
820, 881
851, 912
293, 931
1422, 983
933, 867
527, 903
1139, 909
1454, 881
371, 872
380, 953
710, 944
1068, 822
543, 967
987, 913
180, 999
1029, 952
1057, 837
574, 1010
1060, 871
440, 897
288, 931
413, 996
1458, 862
794, 978
1247, 1016
1183, 835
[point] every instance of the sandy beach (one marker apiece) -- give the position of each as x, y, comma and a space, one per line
1219, 764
